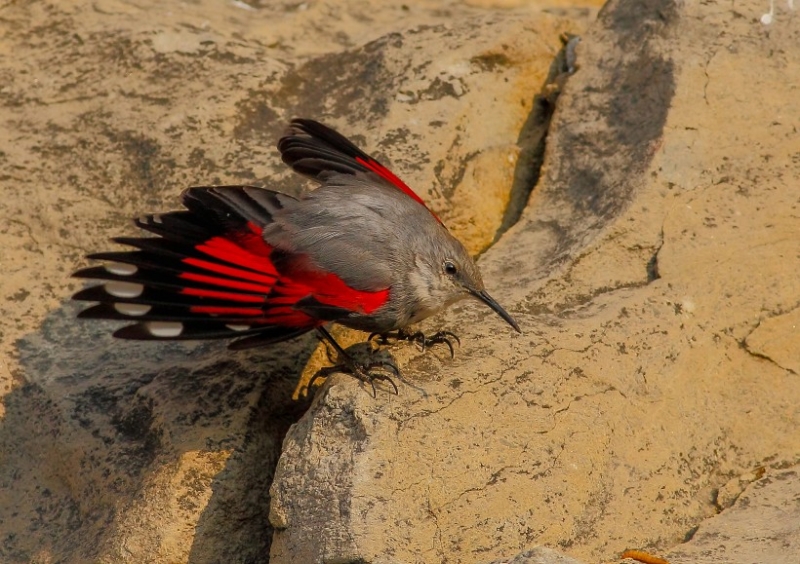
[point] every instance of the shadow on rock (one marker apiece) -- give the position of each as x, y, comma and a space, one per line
129, 450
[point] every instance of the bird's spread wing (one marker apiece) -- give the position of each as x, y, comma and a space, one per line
319, 152
210, 274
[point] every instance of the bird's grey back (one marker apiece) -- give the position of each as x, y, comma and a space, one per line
366, 231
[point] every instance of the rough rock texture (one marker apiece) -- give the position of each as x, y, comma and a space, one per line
126, 452
538, 555
654, 274
763, 526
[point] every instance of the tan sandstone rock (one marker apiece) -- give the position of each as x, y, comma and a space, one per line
653, 270
132, 452
662, 236
762, 526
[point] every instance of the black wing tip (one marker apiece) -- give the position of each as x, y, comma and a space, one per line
136, 332
82, 272
103, 310
317, 151
92, 273
302, 128
304, 125
90, 294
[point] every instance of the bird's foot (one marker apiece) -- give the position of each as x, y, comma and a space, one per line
418, 337
364, 372
367, 373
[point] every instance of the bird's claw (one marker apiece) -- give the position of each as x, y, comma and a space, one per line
365, 373
418, 337
370, 376
382, 338
440, 337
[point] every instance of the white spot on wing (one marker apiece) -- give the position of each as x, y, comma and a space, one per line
238, 327
164, 328
157, 219
124, 289
120, 268
132, 309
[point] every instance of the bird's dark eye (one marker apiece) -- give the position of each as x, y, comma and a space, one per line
450, 267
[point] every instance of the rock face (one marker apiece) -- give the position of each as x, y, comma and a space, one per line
763, 526
653, 271
128, 452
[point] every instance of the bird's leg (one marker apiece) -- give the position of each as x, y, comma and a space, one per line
418, 337
365, 373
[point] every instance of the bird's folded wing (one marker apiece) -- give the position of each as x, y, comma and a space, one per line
319, 152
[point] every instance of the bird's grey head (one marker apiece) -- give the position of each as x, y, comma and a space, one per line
445, 273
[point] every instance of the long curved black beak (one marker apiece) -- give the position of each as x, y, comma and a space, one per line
484, 296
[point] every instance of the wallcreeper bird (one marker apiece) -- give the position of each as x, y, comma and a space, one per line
249, 263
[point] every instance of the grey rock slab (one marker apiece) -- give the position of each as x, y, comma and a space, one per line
763, 525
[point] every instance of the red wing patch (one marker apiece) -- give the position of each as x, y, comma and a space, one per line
227, 311
246, 249
387, 174
207, 276
229, 283
317, 151
253, 240
326, 289
331, 290
230, 271
250, 278
219, 295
